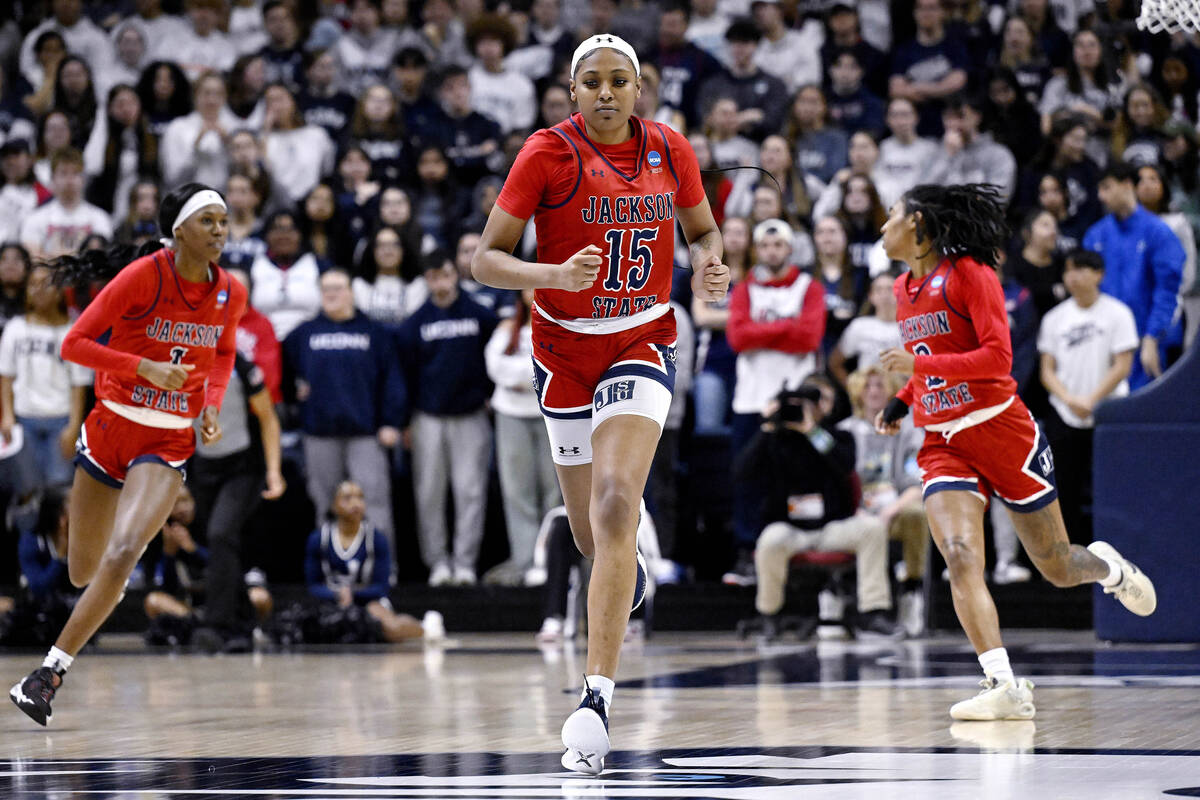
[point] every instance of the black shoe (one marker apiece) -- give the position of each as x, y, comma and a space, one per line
877, 625
33, 695
743, 573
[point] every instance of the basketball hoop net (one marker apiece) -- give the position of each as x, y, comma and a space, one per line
1169, 16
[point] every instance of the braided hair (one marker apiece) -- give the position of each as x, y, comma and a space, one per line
959, 220
84, 273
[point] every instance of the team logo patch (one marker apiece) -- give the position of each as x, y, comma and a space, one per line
653, 158
1046, 462
937, 281
222, 298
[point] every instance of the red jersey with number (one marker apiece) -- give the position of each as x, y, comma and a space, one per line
954, 323
149, 311
620, 198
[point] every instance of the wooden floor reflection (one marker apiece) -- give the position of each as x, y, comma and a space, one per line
679, 698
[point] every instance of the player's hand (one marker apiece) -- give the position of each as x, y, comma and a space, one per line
710, 278
388, 436
886, 428
66, 441
276, 486
579, 271
1149, 355
210, 429
897, 359
164, 374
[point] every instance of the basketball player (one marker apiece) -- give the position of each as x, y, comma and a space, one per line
604, 189
980, 439
168, 321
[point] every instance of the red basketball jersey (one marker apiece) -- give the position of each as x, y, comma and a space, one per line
148, 311
954, 322
621, 198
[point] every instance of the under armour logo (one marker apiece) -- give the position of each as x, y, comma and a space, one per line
568, 451
584, 758
597, 173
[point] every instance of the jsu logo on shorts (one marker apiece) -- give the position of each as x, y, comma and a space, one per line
614, 393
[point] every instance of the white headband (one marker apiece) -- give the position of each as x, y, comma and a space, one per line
605, 40
773, 226
201, 199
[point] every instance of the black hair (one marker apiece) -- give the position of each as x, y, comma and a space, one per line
49, 512
1164, 203
368, 269
743, 29
1120, 171
1086, 258
959, 220
180, 101
961, 100
82, 271
436, 259
410, 57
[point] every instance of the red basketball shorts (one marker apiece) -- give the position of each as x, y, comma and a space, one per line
1007, 455
582, 379
110, 444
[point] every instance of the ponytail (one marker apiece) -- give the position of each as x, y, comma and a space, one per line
85, 272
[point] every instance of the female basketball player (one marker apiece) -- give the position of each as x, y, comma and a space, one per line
171, 318
980, 439
604, 188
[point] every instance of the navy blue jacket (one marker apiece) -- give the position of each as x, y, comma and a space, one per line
366, 567
354, 384
441, 350
45, 573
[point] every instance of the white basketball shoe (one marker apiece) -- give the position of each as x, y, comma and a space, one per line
585, 735
1007, 700
1135, 591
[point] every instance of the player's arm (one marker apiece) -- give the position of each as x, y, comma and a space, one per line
710, 278
494, 264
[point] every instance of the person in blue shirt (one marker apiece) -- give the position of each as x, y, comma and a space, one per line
1144, 261
351, 396
441, 349
43, 606
348, 563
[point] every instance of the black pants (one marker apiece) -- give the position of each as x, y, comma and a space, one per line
664, 490
561, 555
227, 492
1073, 473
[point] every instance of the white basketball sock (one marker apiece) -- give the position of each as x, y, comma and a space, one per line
58, 661
605, 686
995, 664
1114, 574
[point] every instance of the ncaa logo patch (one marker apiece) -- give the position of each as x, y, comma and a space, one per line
653, 158
222, 298
937, 281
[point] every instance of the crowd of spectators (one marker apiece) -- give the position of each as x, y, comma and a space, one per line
362, 143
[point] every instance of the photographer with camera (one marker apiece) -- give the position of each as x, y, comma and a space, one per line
805, 472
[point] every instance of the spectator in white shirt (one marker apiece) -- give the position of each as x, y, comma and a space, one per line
527, 478
82, 36
364, 53
380, 291
793, 56
202, 47
39, 390
497, 92
904, 156
196, 147
1087, 344
20, 194
297, 154
870, 334
63, 224
284, 279
131, 46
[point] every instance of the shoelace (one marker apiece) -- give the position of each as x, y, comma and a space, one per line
593, 698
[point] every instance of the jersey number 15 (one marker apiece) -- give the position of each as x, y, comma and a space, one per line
639, 258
